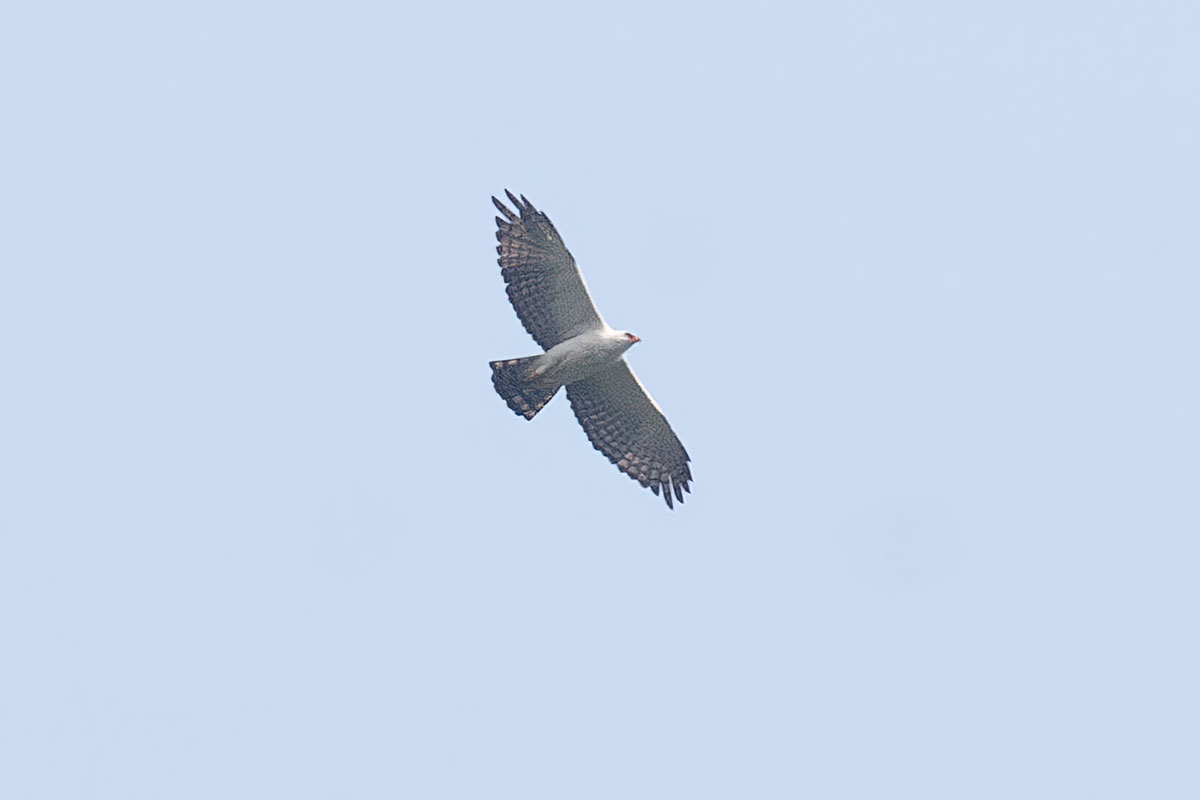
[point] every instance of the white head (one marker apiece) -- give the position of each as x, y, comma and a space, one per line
629, 337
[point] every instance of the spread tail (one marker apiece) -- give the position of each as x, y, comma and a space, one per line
511, 379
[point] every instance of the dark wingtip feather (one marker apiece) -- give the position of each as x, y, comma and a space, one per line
678, 491
654, 488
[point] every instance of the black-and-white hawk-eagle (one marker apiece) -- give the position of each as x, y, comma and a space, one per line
582, 353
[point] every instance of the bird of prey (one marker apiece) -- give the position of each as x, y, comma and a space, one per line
582, 353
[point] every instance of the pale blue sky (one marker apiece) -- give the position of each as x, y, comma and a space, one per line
917, 285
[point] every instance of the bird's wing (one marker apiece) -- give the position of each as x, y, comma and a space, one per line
544, 285
623, 422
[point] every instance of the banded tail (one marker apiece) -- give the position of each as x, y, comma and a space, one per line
512, 382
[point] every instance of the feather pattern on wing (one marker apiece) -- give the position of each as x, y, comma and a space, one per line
623, 422
544, 285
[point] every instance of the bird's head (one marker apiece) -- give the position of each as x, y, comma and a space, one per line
631, 338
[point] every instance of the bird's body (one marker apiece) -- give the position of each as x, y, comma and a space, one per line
579, 357
582, 353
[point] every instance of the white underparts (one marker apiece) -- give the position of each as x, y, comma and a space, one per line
580, 357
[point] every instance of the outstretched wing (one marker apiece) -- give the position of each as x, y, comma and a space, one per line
623, 422
544, 285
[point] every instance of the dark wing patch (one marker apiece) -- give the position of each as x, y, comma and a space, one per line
544, 286
624, 423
